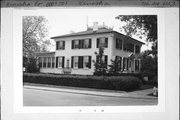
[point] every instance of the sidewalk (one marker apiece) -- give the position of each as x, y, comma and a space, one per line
141, 94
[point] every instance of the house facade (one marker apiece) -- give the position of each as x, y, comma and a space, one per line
75, 52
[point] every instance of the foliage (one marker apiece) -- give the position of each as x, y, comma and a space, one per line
148, 65
108, 82
114, 67
142, 26
35, 31
31, 66
100, 65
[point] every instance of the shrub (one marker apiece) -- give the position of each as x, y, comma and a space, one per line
99, 82
31, 66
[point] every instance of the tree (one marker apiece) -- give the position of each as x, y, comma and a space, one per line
143, 26
35, 32
100, 64
114, 67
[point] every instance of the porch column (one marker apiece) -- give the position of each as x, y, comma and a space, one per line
42, 62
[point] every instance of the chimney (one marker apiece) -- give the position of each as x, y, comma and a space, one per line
95, 26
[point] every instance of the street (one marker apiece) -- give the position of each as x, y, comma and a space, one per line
37, 97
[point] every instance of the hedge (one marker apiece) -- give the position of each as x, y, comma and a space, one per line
125, 83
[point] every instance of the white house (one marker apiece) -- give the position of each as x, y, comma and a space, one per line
75, 52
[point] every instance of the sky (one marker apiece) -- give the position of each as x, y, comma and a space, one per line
64, 21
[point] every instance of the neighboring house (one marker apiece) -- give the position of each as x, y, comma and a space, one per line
75, 52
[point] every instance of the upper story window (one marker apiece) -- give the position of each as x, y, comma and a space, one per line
60, 45
128, 47
118, 43
81, 44
137, 49
102, 42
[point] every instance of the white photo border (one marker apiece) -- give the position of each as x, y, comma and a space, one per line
18, 84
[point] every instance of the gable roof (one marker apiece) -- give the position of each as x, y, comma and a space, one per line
91, 32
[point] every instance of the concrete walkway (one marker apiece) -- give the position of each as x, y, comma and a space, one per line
141, 94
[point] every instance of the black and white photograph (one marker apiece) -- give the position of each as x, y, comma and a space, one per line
75, 58
67, 63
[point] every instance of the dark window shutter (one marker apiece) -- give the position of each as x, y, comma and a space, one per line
89, 62
123, 63
117, 43
63, 44
56, 62
80, 62
62, 62
81, 43
72, 44
106, 42
72, 60
127, 64
57, 43
97, 43
89, 43
120, 61
106, 59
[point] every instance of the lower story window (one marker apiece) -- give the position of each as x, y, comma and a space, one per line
40, 62
136, 65
60, 62
76, 62
44, 62
49, 62
53, 61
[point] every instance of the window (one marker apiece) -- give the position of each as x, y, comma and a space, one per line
137, 49
53, 61
60, 62
44, 62
118, 60
75, 44
81, 44
87, 62
60, 45
86, 43
81, 62
75, 62
49, 62
102, 42
118, 43
128, 47
136, 65
124, 63
40, 62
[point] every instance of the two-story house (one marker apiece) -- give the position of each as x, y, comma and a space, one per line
75, 52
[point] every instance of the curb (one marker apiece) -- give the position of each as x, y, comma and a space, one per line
86, 92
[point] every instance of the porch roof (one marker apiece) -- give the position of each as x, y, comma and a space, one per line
45, 54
